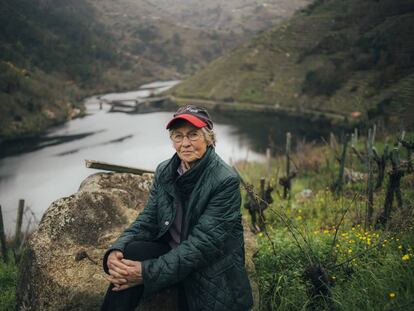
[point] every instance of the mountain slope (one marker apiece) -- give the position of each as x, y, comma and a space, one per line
239, 16
334, 56
54, 52
184, 35
51, 54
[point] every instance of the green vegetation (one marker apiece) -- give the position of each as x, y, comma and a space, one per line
318, 252
51, 56
8, 277
333, 56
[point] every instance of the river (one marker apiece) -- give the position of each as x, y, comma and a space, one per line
54, 165
55, 168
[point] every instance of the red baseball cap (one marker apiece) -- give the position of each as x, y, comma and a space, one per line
197, 116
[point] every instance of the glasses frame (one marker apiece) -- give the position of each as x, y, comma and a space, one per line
198, 132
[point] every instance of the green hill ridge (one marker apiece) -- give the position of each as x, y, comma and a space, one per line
343, 57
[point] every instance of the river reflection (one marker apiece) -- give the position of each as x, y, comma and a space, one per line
263, 130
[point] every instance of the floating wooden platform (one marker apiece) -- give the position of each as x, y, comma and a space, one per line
116, 168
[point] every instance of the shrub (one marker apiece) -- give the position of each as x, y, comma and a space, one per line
323, 81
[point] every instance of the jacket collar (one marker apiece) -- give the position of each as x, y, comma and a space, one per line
169, 174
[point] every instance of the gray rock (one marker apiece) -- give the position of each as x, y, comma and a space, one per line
62, 265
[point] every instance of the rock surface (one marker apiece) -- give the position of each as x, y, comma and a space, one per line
62, 267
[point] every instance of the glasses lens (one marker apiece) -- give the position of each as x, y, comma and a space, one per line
194, 135
177, 137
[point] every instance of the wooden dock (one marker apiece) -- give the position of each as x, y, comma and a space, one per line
137, 105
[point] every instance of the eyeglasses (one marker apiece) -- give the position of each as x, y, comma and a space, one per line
178, 137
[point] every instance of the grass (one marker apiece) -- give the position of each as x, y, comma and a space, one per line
318, 254
8, 277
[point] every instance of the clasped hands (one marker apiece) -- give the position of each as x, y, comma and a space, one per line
123, 273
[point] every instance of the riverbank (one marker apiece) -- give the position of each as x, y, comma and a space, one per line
312, 114
28, 130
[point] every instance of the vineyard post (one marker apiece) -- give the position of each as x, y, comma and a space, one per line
19, 221
3, 239
287, 186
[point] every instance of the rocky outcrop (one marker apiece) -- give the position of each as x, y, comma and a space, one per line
62, 266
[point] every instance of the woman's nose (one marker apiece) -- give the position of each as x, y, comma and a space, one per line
186, 141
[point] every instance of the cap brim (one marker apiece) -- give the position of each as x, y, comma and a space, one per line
190, 118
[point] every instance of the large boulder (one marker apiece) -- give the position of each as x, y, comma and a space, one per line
62, 266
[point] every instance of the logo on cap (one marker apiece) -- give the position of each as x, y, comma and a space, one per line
199, 117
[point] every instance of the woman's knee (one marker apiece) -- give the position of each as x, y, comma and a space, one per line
143, 250
133, 251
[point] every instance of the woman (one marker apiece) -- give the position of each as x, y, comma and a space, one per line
190, 233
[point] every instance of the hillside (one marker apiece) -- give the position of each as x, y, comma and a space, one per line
333, 56
55, 52
237, 16
185, 35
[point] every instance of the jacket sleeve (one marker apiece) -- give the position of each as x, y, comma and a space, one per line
204, 244
144, 227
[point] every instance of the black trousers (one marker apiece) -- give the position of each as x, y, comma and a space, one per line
128, 299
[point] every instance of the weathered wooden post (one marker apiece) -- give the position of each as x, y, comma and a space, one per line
393, 187
17, 236
381, 164
354, 142
370, 188
332, 141
287, 187
339, 183
262, 187
269, 163
3, 238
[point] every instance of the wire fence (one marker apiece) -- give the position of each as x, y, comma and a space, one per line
25, 217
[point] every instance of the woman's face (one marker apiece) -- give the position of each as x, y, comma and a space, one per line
189, 142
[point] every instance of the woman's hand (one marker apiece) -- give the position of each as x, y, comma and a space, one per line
133, 277
116, 269
123, 273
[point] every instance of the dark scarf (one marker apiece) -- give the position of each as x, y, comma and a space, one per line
185, 183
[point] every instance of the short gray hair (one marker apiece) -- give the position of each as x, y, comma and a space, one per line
209, 135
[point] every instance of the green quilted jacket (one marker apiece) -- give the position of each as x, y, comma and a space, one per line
209, 262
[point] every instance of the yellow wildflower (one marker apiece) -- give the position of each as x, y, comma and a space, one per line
399, 246
392, 295
350, 251
406, 257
